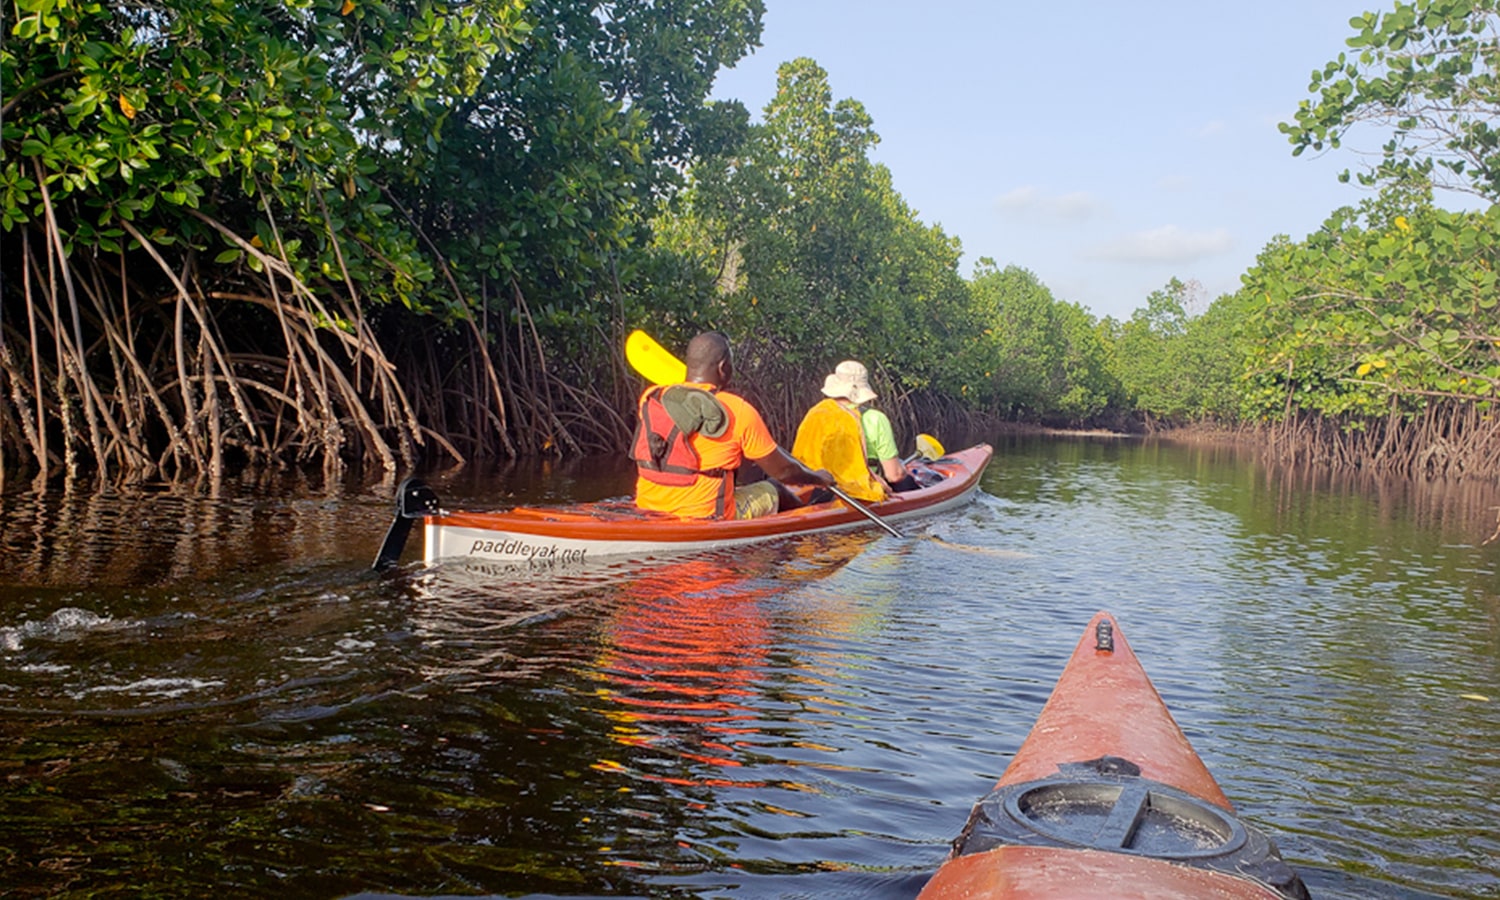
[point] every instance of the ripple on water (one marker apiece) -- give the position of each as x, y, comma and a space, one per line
63, 624
809, 717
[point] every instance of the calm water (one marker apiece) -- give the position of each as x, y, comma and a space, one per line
206, 694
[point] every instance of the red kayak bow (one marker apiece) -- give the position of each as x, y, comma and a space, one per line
1106, 798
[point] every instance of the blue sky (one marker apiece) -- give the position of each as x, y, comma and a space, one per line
1107, 147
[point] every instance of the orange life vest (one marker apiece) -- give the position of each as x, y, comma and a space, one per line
663, 451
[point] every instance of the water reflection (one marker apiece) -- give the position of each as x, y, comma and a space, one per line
212, 694
684, 650
1348, 621
174, 534
694, 661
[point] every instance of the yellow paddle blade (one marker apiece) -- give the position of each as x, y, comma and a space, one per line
928, 447
655, 362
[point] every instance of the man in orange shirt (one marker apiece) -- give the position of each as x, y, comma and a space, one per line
731, 432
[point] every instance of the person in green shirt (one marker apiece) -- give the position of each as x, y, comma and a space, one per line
880, 444
880, 439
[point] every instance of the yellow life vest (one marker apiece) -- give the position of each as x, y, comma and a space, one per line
830, 437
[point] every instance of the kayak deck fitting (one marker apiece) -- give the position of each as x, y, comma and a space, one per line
1106, 798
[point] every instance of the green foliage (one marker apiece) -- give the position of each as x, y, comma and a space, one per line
520, 140
1036, 357
546, 178
1149, 354
1426, 71
521, 163
425, 163
1021, 350
811, 249
1090, 386
1180, 368
660, 58
804, 243
1387, 307
1216, 348
1384, 321
264, 112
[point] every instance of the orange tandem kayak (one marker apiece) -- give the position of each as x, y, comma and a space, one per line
616, 528
1106, 798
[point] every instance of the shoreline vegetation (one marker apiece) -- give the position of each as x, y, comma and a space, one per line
223, 250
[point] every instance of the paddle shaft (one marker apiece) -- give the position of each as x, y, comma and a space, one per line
867, 512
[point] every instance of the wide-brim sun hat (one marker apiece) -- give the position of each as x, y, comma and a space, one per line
851, 381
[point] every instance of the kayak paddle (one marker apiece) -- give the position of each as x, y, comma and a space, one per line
652, 360
929, 447
414, 499
867, 512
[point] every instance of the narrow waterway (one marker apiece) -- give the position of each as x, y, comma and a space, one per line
209, 693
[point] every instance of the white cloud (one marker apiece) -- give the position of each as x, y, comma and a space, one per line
1030, 203
1167, 244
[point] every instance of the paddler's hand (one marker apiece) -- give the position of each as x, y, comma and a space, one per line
824, 478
